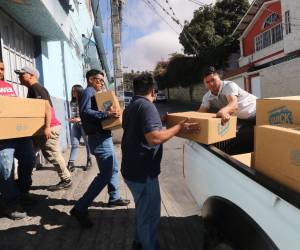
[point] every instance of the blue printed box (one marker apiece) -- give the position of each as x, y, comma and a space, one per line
278, 110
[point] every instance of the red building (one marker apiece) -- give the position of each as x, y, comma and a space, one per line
270, 48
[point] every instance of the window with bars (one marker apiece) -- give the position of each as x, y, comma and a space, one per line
17, 50
268, 37
287, 19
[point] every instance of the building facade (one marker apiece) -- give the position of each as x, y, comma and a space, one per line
270, 49
57, 37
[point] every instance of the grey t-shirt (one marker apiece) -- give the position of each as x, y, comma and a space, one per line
246, 101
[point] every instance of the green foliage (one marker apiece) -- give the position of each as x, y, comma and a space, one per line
128, 79
160, 75
209, 34
207, 40
180, 70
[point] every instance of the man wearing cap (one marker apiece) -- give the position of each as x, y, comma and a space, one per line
48, 144
14, 193
226, 98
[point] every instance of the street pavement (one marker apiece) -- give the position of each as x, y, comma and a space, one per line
49, 225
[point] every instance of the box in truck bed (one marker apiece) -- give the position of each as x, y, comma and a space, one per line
211, 131
278, 110
277, 153
247, 159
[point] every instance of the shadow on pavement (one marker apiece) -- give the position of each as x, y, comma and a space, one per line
113, 230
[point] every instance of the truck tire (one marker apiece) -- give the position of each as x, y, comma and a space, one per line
227, 224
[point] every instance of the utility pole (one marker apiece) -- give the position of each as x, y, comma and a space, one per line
116, 20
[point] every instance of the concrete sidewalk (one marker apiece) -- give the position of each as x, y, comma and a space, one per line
49, 225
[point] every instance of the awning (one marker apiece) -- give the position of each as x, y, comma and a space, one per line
248, 17
44, 18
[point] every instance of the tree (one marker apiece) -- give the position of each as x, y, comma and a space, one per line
160, 75
209, 34
180, 70
128, 79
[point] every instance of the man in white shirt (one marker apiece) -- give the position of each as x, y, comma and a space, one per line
226, 98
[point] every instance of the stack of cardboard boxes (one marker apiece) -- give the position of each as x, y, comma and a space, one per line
21, 117
277, 140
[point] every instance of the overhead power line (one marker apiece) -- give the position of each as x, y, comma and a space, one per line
197, 2
150, 5
191, 39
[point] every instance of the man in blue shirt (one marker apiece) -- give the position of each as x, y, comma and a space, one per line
141, 156
101, 146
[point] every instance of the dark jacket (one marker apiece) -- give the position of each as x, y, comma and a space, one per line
90, 116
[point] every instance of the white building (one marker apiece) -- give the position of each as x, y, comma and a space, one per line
270, 49
57, 37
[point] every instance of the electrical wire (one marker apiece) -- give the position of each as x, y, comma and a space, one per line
149, 4
197, 2
185, 33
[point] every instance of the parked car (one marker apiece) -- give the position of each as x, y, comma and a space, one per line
127, 97
160, 96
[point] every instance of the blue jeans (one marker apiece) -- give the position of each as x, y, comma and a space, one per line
102, 148
22, 150
76, 133
147, 211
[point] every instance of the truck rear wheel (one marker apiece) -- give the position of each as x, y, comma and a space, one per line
227, 225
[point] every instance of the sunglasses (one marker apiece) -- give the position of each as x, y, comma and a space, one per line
98, 79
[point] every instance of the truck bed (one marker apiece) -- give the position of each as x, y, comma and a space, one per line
212, 173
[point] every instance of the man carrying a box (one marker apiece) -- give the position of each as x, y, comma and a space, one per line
226, 98
49, 143
14, 193
141, 157
101, 146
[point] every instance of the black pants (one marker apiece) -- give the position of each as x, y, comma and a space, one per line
244, 141
245, 135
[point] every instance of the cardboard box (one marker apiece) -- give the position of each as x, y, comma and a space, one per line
211, 129
21, 117
278, 110
247, 159
105, 100
21, 107
277, 153
21, 127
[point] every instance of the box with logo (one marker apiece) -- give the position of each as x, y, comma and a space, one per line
21, 117
211, 129
106, 100
277, 153
278, 110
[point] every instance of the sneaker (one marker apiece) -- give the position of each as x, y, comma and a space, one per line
71, 166
14, 212
88, 164
82, 218
120, 202
61, 185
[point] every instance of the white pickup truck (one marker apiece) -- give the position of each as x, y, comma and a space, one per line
241, 208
